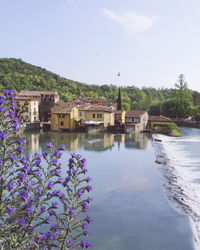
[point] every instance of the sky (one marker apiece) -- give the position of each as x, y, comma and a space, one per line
150, 42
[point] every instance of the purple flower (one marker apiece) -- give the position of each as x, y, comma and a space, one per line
89, 188
13, 157
1, 108
84, 225
84, 206
54, 204
62, 147
28, 211
49, 144
60, 180
51, 212
48, 220
49, 195
85, 244
88, 179
13, 105
89, 199
1, 163
79, 194
71, 211
9, 210
57, 173
67, 241
85, 170
50, 184
42, 208
10, 186
37, 155
20, 149
53, 226
42, 236
55, 161
2, 100
89, 219
85, 232
11, 114
58, 153
45, 154
5, 91
3, 135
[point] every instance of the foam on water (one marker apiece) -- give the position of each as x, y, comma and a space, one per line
180, 168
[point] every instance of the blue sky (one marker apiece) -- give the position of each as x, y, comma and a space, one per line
150, 42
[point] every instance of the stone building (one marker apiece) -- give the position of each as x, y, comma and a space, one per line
46, 99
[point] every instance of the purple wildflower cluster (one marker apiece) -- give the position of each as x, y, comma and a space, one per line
33, 190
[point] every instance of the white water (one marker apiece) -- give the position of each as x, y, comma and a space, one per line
180, 168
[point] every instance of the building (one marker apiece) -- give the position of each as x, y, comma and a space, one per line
64, 116
135, 121
89, 113
120, 117
27, 109
46, 100
158, 122
93, 101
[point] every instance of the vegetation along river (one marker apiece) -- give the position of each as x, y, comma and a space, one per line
130, 207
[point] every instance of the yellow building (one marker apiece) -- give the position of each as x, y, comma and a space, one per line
64, 116
158, 122
96, 113
120, 117
29, 108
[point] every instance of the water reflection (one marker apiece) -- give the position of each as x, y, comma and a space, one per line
89, 142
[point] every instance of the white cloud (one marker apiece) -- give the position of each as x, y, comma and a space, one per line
130, 21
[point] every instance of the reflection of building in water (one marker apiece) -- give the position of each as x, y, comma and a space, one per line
120, 138
33, 142
59, 138
98, 142
136, 141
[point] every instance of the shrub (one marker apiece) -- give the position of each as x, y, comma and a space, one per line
41, 205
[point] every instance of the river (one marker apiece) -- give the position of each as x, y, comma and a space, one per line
130, 207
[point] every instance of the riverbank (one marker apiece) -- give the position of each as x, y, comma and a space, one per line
180, 168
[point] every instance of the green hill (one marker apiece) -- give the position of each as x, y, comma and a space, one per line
18, 75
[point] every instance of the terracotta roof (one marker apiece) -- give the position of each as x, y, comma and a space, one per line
63, 108
93, 100
135, 113
159, 118
25, 98
36, 93
94, 107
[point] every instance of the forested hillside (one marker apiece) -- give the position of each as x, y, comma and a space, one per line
18, 75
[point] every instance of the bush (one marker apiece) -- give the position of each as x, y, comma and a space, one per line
32, 188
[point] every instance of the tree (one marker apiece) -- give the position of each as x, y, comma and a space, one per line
182, 97
119, 102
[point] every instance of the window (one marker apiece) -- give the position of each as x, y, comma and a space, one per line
61, 123
93, 115
99, 115
61, 115
80, 114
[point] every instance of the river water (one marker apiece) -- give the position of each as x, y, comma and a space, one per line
181, 172
130, 207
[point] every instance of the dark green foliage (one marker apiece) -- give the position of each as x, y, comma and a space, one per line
155, 108
196, 98
119, 102
18, 75
172, 126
